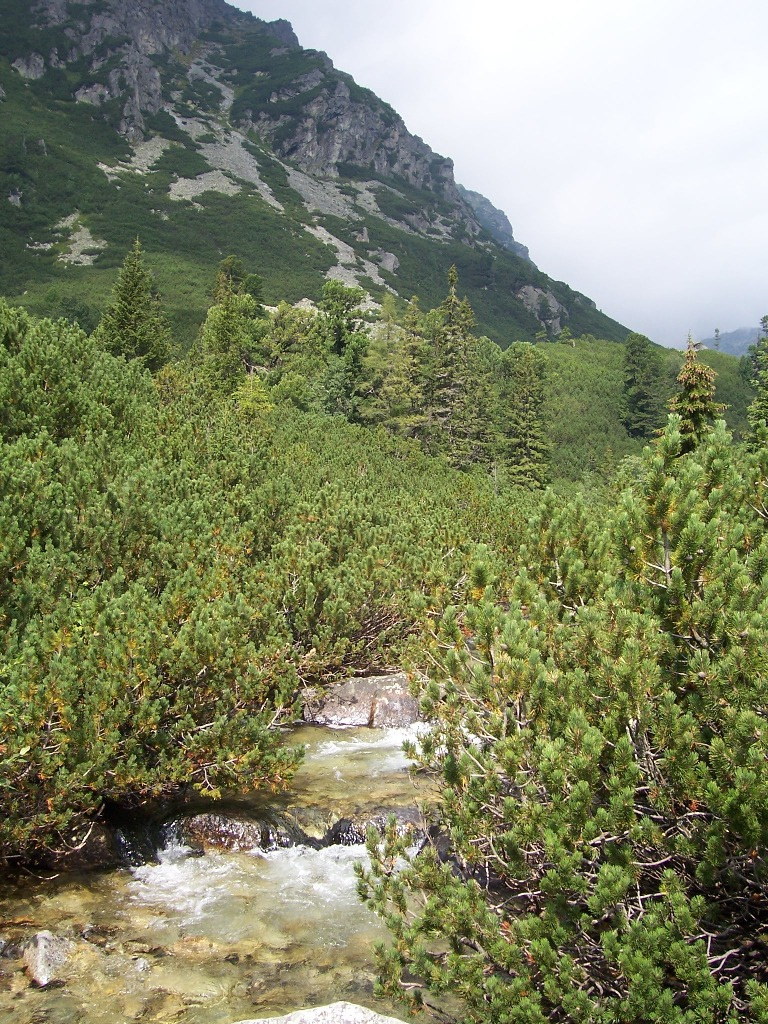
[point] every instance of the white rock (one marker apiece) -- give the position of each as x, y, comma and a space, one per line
335, 1013
45, 956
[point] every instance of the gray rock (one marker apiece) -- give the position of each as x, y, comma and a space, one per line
386, 260
150, 29
95, 94
31, 67
231, 832
336, 127
354, 831
544, 306
45, 956
334, 1013
377, 702
282, 30
495, 221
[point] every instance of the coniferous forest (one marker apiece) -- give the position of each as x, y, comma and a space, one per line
565, 542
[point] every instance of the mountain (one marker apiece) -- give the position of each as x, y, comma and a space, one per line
735, 342
209, 132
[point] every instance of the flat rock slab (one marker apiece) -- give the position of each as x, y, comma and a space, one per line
335, 1013
378, 702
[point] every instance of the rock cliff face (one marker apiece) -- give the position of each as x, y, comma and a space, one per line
333, 129
494, 221
150, 27
130, 34
331, 123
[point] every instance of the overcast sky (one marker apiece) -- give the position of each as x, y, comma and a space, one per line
626, 141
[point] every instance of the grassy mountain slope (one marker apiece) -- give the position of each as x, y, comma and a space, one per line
584, 403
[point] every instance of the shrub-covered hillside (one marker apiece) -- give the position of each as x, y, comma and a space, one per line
180, 556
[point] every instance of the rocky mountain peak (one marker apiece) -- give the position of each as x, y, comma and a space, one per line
185, 106
150, 26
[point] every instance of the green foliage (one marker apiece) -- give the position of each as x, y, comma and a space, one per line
397, 206
22, 35
230, 333
434, 380
133, 325
233, 275
397, 370
455, 424
643, 387
758, 410
180, 558
256, 72
524, 446
182, 161
600, 746
695, 398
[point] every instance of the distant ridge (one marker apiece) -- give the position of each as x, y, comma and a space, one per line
736, 343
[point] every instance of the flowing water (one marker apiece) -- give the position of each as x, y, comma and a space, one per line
225, 936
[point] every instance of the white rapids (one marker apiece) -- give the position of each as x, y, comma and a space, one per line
224, 936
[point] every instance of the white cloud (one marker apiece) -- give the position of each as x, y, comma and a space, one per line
627, 143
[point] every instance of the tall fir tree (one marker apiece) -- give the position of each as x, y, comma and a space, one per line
457, 428
346, 338
524, 445
694, 401
643, 397
229, 334
401, 371
758, 409
133, 324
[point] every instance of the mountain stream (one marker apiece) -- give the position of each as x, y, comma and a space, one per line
226, 935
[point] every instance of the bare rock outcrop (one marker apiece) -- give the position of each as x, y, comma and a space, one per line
545, 307
336, 128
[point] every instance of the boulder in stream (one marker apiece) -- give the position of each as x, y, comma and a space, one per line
378, 702
334, 1013
226, 831
353, 831
44, 957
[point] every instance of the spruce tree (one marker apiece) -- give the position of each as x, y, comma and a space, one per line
232, 271
341, 308
454, 400
694, 401
643, 399
401, 370
346, 340
231, 331
758, 409
524, 445
133, 325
